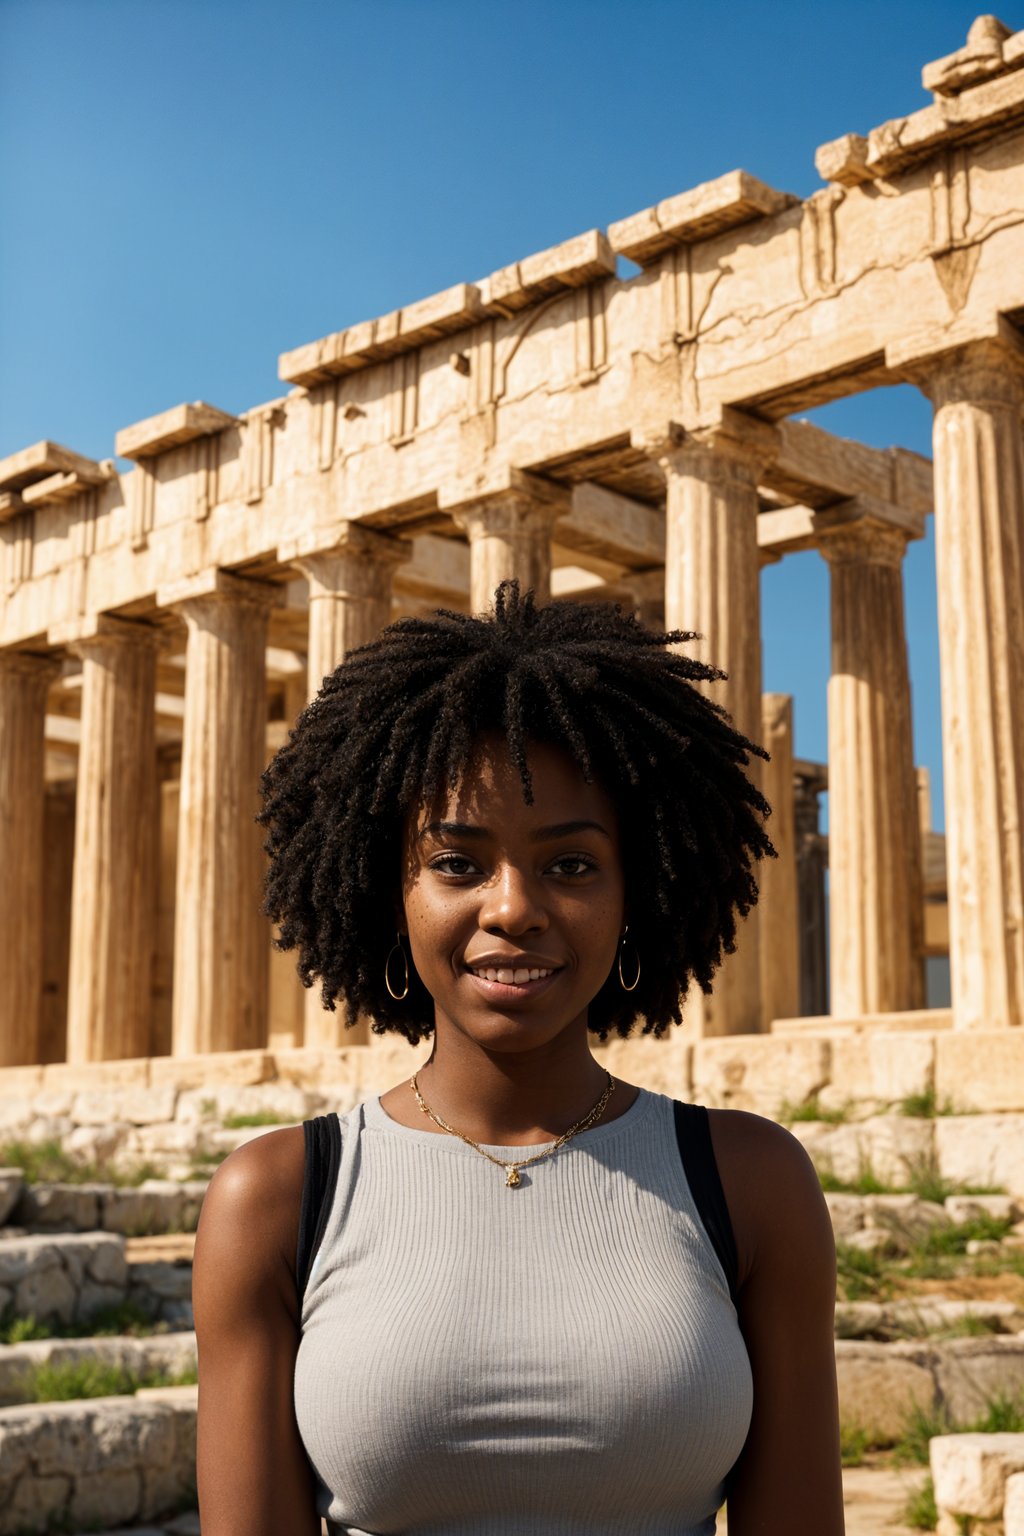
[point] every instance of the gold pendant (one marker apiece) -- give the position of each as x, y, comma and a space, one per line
511, 1176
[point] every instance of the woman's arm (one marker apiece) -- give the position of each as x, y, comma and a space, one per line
788, 1478
253, 1473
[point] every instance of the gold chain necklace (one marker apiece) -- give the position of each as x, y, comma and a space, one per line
512, 1169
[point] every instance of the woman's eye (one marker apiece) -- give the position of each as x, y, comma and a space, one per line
453, 864
573, 864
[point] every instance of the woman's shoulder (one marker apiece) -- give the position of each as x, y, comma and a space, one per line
771, 1187
255, 1195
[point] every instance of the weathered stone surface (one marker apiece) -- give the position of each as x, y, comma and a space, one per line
751, 1072
970, 1472
12, 1182
879, 1387
980, 1070
60, 1207
1013, 1505
983, 1150
146, 1105
970, 1372
964, 1208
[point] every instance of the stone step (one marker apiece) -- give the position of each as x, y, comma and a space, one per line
169, 1353
110, 1461
979, 1478
921, 1317
154, 1206
69, 1277
881, 1385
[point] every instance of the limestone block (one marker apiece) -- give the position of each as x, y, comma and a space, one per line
901, 1065
980, 1069
847, 1214
851, 1073
971, 1371
983, 1150
661, 1066
139, 1106
879, 1386
286, 1100
874, 1240
52, 1101
212, 1068
759, 1072
12, 1183
20, 1256
970, 1472
94, 1297
20, 1082
143, 1210
833, 1148
172, 1138
129, 1072
96, 1143
44, 1128
113, 1496
15, 1115
905, 1216
1013, 1505
61, 1207
46, 1294
895, 1145
33, 1503
107, 1264
964, 1208
166, 1281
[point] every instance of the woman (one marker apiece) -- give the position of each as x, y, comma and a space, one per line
510, 834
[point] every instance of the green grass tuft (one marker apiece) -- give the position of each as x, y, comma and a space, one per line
127, 1317
813, 1109
46, 1162
920, 1511
93, 1378
258, 1117
854, 1443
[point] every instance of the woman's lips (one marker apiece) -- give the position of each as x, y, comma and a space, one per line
509, 990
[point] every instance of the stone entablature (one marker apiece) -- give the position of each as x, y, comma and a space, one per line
588, 431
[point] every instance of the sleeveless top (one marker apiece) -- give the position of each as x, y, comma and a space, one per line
559, 1359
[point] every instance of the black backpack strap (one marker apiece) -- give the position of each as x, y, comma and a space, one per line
319, 1180
693, 1133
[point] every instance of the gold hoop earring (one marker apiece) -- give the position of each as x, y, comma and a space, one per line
398, 996
628, 986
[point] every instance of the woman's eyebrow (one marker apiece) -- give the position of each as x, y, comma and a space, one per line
539, 835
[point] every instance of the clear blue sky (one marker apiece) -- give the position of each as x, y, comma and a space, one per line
193, 186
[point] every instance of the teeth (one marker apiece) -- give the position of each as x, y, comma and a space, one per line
509, 977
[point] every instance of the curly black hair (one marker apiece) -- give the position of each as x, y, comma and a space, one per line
396, 724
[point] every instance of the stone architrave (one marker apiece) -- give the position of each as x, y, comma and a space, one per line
509, 532
113, 904
712, 587
977, 390
350, 589
24, 681
778, 904
221, 939
875, 881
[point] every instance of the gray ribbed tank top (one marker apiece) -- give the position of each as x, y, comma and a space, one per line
561, 1359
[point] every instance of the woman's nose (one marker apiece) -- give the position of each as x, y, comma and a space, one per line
511, 903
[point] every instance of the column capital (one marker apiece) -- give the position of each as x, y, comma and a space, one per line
735, 445
981, 363
217, 586
96, 629
508, 500
862, 531
28, 664
347, 538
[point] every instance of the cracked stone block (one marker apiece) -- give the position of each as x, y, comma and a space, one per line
61, 1207
12, 1182
879, 1386
112, 1496
969, 1372
144, 1210
847, 1214
964, 1208
1013, 1505
136, 1106
970, 1472
96, 1143
168, 1281
107, 1264
34, 1503
982, 1149
46, 1294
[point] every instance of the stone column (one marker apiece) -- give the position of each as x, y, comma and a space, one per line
24, 681
778, 906
509, 533
349, 595
221, 939
712, 585
113, 904
809, 781
978, 393
875, 889
350, 589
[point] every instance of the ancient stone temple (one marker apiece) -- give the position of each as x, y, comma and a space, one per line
616, 416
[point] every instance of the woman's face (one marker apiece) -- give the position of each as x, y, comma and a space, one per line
514, 911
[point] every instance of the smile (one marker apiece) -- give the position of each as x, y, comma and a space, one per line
507, 976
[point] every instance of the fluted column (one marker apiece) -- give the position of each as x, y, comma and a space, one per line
24, 681
778, 904
350, 589
978, 394
113, 908
509, 533
349, 596
221, 939
875, 887
712, 586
